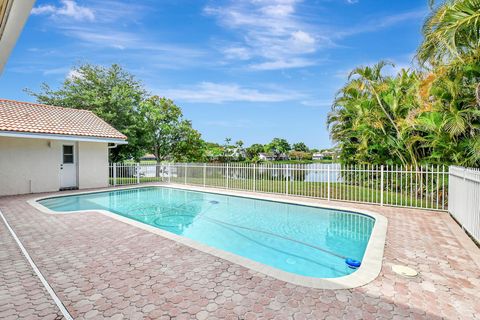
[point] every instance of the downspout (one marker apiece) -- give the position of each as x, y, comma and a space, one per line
113, 146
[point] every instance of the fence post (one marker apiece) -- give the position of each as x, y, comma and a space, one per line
185, 173
227, 177
138, 173
286, 179
254, 177
204, 174
114, 174
328, 182
381, 185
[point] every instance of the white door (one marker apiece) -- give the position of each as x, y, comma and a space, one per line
68, 167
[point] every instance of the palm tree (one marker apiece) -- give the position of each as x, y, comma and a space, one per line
451, 32
371, 78
425, 116
360, 120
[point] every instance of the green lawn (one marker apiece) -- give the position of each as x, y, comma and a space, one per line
123, 181
299, 161
243, 162
338, 191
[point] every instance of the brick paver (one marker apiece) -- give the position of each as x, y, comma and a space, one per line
22, 295
103, 268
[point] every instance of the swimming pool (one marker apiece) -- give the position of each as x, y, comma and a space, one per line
297, 239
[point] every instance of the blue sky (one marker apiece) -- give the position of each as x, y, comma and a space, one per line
244, 69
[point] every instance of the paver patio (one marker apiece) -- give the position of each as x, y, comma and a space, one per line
103, 268
22, 295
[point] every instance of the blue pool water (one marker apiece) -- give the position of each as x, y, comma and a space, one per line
298, 239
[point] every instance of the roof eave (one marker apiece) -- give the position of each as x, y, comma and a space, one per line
52, 136
16, 15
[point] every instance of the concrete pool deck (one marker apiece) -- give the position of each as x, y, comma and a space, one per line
103, 268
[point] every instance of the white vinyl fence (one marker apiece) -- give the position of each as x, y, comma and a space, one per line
421, 187
464, 199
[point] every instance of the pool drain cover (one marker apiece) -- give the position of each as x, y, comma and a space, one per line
404, 271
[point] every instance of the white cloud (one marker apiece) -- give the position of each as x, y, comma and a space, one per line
235, 52
102, 37
136, 46
209, 92
283, 64
381, 23
279, 10
69, 9
316, 103
45, 9
270, 33
54, 71
114, 27
302, 37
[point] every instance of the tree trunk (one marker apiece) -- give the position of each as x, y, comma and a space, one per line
156, 153
158, 168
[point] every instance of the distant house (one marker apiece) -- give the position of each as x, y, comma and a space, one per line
238, 153
266, 156
282, 156
323, 155
148, 157
47, 148
272, 157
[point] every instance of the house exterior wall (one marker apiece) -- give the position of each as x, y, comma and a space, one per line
32, 165
92, 165
28, 165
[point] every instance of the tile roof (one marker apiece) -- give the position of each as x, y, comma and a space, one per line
29, 117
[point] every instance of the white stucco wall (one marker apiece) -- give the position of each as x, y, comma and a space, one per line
32, 165
93, 165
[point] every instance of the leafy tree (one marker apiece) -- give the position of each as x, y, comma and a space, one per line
278, 146
239, 150
169, 135
213, 151
300, 146
254, 150
111, 93
226, 156
300, 155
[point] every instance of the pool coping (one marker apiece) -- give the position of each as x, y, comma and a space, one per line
368, 271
